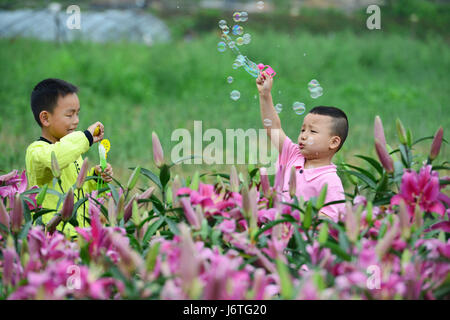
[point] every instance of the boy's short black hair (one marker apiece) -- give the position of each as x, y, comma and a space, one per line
340, 121
46, 93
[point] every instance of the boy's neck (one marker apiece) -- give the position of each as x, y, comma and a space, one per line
316, 163
45, 134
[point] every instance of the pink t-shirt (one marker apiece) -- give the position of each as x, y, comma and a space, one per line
311, 181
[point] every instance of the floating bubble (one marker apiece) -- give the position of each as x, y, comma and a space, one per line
238, 30
236, 65
244, 16
230, 79
247, 38
313, 84
231, 44
235, 95
278, 107
298, 107
221, 46
236, 16
316, 92
310, 141
240, 41
222, 24
267, 122
260, 5
240, 59
225, 30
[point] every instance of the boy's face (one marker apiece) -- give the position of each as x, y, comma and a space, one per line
315, 139
64, 118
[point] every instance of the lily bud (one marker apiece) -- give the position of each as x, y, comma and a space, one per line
120, 206
82, 175
53, 223
436, 145
4, 218
379, 131
384, 156
176, 185
41, 196
189, 212
56, 171
351, 223
385, 244
401, 132
265, 185
292, 183
66, 211
112, 213
133, 178
158, 154
404, 220
17, 214
128, 209
234, 179
9, 255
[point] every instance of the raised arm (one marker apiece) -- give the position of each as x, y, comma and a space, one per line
274, 131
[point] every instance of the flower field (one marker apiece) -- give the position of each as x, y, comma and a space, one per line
237, 238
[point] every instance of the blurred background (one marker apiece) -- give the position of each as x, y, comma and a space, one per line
148, 65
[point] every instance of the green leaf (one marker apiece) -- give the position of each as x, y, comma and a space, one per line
364, 178
337, 250
372, 162
363, 171
152, 230
307, 220
287, 288
153, 177
40, 213
172, 225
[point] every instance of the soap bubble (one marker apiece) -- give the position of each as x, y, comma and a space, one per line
225, 30
298, 107
231, 44
267, 122
260, 5
221, 46
316, 92
235, 95
236, 65
247, 38
310, 141
236, 16
313, 84
238, 30
278, 107
230, 79
244, 16
222, 24
240, 41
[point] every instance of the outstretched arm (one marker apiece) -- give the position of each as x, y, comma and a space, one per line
274, 131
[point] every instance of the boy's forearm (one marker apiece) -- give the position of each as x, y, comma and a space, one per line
274, 131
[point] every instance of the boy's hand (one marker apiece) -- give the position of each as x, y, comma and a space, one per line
264, 83
107, 174
101, 132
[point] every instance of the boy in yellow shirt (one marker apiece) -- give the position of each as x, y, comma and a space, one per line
56, 107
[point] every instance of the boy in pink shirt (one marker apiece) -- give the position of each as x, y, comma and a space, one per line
323, 133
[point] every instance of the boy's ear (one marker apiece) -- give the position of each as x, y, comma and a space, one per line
335, 142
44, 117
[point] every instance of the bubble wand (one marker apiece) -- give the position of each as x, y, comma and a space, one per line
103, 149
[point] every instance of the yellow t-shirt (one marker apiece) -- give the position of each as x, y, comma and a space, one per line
68, 153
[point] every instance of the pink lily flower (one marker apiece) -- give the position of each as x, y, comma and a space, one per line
422, 189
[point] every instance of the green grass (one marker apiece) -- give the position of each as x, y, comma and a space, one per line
134, 89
